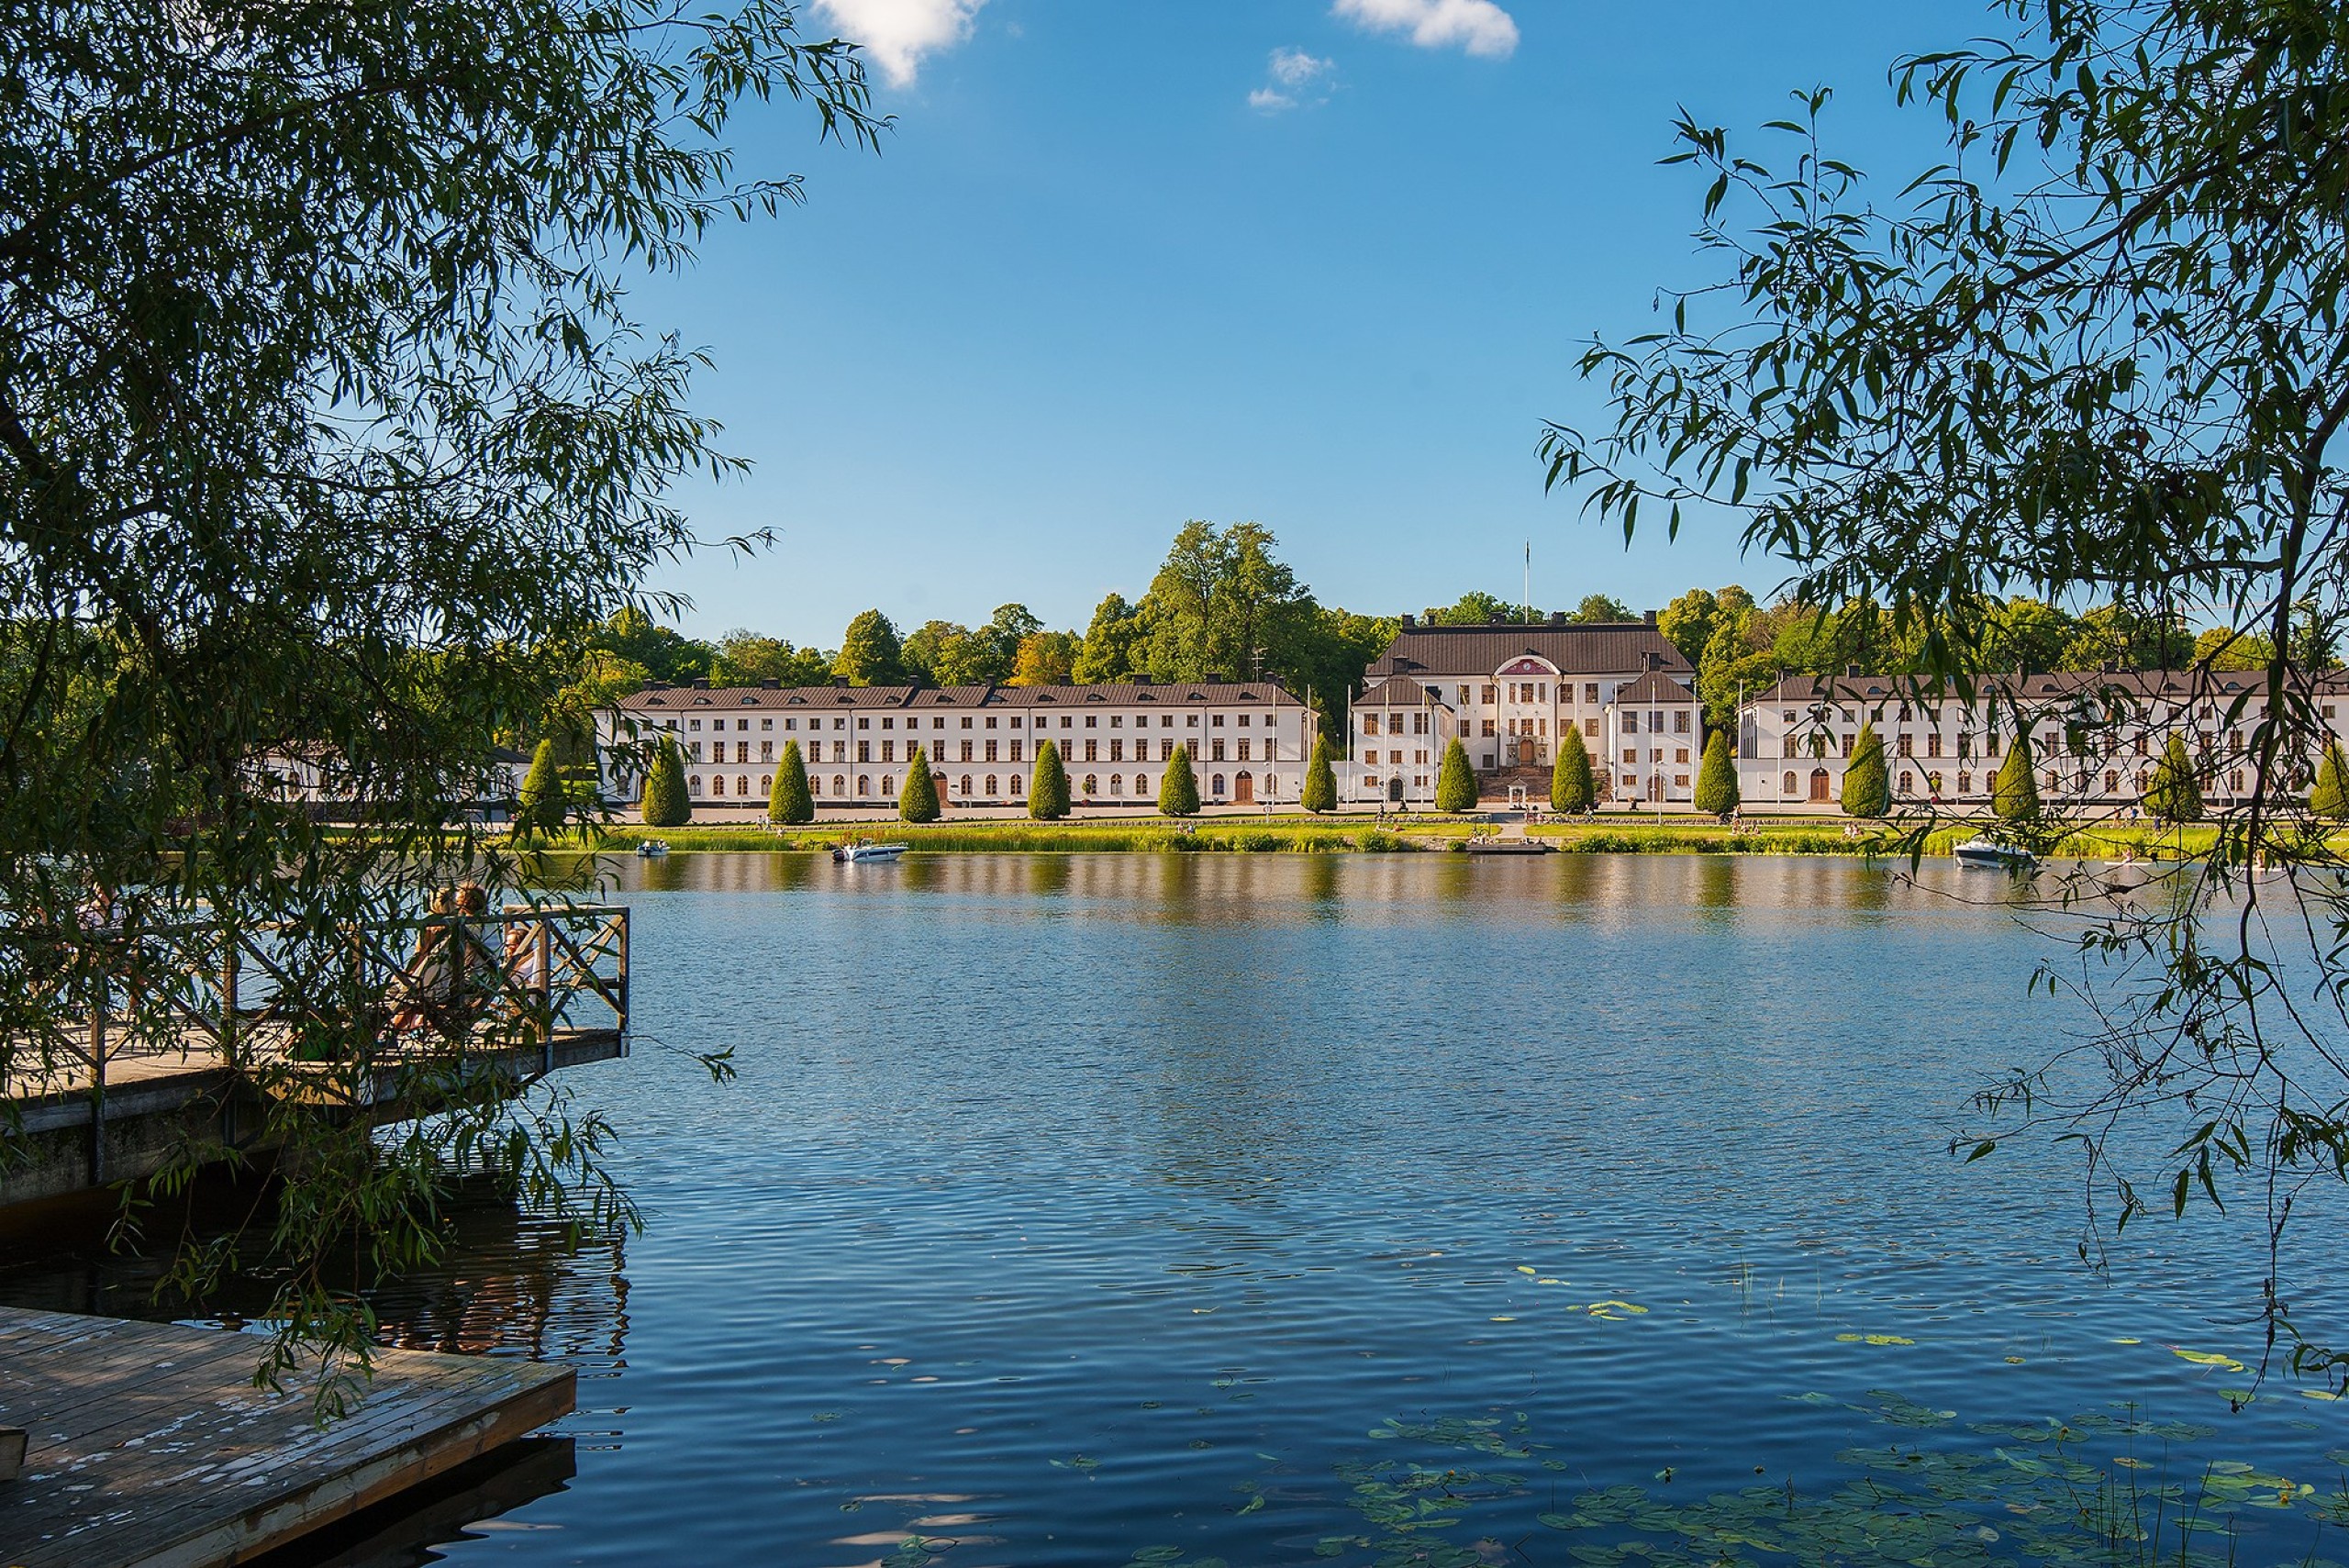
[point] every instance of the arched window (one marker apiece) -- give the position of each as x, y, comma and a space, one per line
865, 784
742, 785
815, 783
2111, 781
717, 783
839, 783
1092, 784
766, 783
1934, 783
2054, 781
693, 783
1216, 784
967, 786
1117, 784
1964, 781
1142, 783
2144, 779
1015, 784
1908, 781
991, 789
1789, 787
888, 785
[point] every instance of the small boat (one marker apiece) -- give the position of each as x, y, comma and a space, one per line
1508, 847
651, 849
1991, 855
854, 853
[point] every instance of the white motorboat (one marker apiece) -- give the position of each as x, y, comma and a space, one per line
651, 849
858, 853
1991, 855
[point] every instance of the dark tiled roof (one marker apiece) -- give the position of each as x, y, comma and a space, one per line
1655, 687
2142, 686
1400, 691
1584, 648
669, 700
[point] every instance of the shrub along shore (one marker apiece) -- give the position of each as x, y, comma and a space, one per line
1308, 835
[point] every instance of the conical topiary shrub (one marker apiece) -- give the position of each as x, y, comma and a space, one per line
1867, 790
1048, 792
789, 801
1717, 794
918, 799
1455, 784
1570, 782
2015, 794
540, 807
665, 804
2174, 794
1320, 792
2329, 798
1178, 791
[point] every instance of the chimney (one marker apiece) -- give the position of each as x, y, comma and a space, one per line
840, 680
702, 684
1557, 617
1409, 622
1851, 671
771, 685
1499, 620
1654, 661
1649, 617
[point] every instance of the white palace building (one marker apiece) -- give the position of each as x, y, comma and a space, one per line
1248, 740
1507, 691
2096, 735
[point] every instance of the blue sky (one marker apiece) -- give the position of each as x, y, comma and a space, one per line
1125, 263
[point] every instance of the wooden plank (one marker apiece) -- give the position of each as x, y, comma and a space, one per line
151, 1449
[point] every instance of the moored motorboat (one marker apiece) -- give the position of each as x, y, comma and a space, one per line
858, 853
651, 849
1991, 855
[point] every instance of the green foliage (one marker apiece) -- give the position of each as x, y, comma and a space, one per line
1599, 608
1178, 789
632, 636
1222, 605
2223, 648
746, 659
541, 805
2174, 794
2114, 637
665, 802
1717, 792
1867, 790
2014, 796
1478, 607
942, 653
1455, 781
1572, 788
1048, 791
918, 796
1045, 658
870, 652
1108, 651
1321, 790
790, 801
2329, 799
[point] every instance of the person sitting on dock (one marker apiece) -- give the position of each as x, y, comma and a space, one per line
426, 983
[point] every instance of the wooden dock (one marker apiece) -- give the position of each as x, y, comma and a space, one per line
150, 1448
123, 1090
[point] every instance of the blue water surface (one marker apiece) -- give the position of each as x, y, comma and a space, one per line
1283, 1209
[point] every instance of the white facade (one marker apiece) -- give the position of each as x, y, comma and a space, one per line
1248, 741
1509, 693
2095, 735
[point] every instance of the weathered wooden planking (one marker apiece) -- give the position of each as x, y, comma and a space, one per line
150, 1447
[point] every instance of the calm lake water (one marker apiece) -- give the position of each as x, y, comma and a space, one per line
1283, 1209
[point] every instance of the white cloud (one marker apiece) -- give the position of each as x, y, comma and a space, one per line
1293, 73
1479, 27
898, 33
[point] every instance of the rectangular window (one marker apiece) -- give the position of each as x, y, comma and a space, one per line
1680, 722
1847, 745
1117, 721
1216, 721
697, 750
1419, 724
1631, 755
1091, 721
1590, 728
991, 756
966, 750
889, 747
1680, 753
1933, 744
1165, 750
1117, 750
1590, 691
1093, 750
1630, 722
1490, 696
1243, 752
1015, 753
1370, 724
1488, 727
766, 724
766, 750
887, 723
1908, 746
1216, 751
966, 723
864, 750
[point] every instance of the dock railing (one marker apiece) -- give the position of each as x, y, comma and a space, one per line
140, 1002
